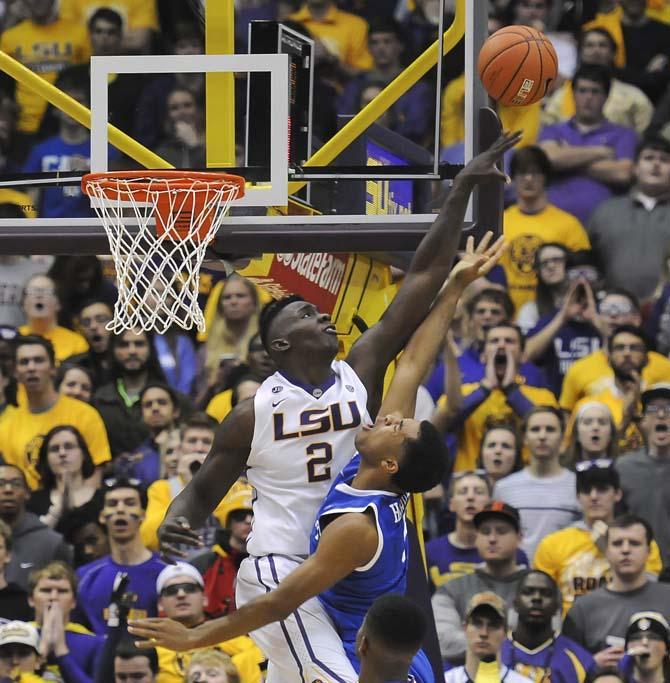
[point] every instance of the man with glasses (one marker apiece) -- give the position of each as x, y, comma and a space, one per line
575, 556
599, 620
532, 221
122, 514
180, 588
41, 306
645, 472
594, 373
33, 543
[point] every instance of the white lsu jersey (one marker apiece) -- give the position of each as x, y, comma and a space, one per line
303, 438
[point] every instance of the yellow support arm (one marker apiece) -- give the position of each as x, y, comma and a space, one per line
79, 112
387, 97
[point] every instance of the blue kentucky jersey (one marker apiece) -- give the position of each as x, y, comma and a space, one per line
348, 601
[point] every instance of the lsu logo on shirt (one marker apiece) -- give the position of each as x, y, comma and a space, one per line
334, 418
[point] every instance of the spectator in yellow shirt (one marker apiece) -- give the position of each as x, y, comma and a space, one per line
181, 597
45, 43
532, 221
501, 395
575, 556
41, 306
341, 37
23, 429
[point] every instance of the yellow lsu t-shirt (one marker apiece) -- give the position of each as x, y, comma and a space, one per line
524, 234
574, 561
593, 375
46, 50
66, 343
245, 654
495, 405
134, 14
22, 432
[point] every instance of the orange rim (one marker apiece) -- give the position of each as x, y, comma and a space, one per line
173, 180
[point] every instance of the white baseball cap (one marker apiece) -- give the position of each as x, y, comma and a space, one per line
172, 571
19, 632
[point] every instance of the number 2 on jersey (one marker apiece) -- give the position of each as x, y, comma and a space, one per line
320, 461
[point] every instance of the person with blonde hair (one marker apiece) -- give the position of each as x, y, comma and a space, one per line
211, 666
593, 434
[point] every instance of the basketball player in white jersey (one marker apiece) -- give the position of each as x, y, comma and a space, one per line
295, 436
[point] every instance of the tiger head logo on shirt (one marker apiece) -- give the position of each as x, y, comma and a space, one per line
522, 253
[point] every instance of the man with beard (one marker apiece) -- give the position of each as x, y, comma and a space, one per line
502, 392
645, 473
534, 649
33, 543
647, 643
123, 511
133, 364
23, 428
628, 355
92, 320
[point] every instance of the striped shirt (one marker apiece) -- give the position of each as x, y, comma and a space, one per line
546, 504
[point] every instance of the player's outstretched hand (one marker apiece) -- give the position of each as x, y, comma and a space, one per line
177, 532
477, 262
158, 632
482, 168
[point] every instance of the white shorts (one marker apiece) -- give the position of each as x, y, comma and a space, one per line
305, 648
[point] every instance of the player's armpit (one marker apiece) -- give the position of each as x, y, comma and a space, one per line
221, 468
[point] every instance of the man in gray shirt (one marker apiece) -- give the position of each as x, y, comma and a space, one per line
630, 234
599, 620
645, 473
498, 536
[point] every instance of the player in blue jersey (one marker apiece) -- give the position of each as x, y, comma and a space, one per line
359, 542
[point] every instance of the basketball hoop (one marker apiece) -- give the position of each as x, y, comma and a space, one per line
158, 260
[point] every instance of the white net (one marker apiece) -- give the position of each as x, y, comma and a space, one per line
158, 256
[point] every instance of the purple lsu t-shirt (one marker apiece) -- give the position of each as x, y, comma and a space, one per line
574, 191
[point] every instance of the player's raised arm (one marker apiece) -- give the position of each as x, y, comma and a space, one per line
425, 342
337, 555
427, 272
221, 468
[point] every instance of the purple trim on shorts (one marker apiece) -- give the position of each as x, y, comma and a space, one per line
281, 623
303, 632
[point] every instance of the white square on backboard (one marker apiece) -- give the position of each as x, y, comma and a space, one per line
273, 194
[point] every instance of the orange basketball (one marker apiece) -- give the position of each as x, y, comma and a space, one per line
516, 65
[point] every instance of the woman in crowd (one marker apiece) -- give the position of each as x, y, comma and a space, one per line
550, 267
75, 381
233, 322
68, 485
184, 142
593, 435
500, 452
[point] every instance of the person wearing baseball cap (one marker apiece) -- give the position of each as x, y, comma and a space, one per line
575, 556
647, 644
19, 651
180, 588
498, 538
485, 624
645, 475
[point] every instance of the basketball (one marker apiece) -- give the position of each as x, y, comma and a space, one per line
516, 65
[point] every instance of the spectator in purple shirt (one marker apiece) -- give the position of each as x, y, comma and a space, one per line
592, 157
411, 113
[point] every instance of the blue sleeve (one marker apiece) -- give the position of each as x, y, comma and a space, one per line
71, 671
435, 383
470, 403
188, 365
550, 133
518, 402
626, 144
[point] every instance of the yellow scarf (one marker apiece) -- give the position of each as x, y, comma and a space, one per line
488, 672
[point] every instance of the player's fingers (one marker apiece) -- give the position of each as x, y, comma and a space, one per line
169, 552
496, 246
484, 243
176, 534
470, 245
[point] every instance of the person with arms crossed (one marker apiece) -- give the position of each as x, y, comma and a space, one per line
359, 543
295, 448
534, 649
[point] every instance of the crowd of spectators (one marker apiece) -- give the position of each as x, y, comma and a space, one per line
547, 545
